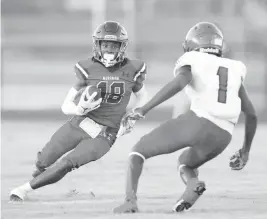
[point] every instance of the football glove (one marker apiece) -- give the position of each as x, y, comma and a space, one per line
87, 104
126, 127
239, 160
127, 124
135, 114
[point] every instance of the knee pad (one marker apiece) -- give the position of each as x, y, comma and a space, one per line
39, 164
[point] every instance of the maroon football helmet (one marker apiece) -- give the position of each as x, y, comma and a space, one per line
110, 31
204, 37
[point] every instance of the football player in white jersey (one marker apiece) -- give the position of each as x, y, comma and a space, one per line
215, 87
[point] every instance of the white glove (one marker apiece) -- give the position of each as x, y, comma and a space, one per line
239, 160
87, 103
127, 125
126, 128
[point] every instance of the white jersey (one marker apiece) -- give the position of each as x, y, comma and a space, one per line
214, 88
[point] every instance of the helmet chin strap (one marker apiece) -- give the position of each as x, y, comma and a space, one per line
108, 59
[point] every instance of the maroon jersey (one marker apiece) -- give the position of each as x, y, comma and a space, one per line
116, 84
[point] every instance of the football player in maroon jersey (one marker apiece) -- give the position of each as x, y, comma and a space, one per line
95, 125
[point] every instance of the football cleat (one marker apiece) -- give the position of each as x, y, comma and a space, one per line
15, 198
181, 205
192, 192
129, 206
17, 195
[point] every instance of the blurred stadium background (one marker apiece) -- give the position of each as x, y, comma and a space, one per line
42, 41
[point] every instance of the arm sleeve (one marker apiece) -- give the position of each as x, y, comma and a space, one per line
69, 107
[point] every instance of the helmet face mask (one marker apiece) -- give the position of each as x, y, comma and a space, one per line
204, 37
110, 41
109, 51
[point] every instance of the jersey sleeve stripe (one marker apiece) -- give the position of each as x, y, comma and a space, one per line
140, 72
78, 66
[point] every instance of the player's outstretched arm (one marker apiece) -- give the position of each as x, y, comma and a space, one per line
141, 97
127, 124
250, 118
184, 77
240, 158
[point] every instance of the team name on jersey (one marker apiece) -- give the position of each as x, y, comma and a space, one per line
111, 78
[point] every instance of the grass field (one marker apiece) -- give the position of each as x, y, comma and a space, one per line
92, 191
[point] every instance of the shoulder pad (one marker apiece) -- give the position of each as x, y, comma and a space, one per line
81, 69
186, 59
140, 68
137, 63
243, 70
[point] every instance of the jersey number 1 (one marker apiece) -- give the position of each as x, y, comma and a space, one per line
223, 80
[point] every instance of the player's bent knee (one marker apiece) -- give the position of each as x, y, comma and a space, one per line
40, 166
59, 170
140, 150
131, 154
96, 154
40, 163
65, 165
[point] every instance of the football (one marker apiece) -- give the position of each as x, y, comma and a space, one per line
91, 90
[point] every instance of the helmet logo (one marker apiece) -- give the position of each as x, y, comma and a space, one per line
209, 50
123, 33
110, 37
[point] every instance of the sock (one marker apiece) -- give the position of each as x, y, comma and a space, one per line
26, 187
135, 168
187, 173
